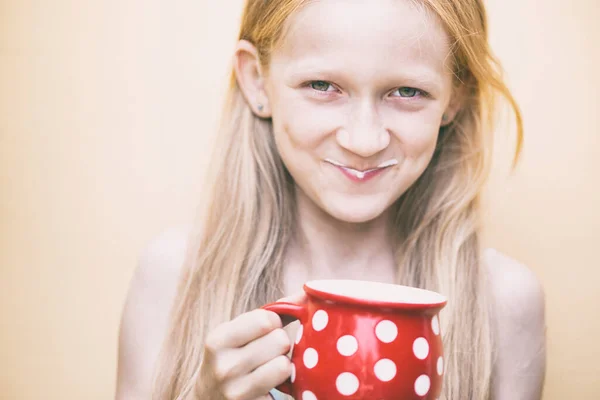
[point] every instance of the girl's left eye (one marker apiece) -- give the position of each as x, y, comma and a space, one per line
407, 92
321, 86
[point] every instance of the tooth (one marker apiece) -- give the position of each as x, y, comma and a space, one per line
360, 175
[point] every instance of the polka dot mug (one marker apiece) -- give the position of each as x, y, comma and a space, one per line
365, 340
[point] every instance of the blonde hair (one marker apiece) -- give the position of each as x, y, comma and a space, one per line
236, 262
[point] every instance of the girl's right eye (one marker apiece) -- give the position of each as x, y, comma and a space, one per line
321, 86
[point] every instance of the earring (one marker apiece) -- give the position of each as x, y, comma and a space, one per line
260, 107
444, 118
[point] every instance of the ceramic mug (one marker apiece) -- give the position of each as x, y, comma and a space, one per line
365, 340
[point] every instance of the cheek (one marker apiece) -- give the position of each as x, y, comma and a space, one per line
303, 124
417, 135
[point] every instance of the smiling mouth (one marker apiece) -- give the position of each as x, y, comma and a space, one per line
360, 175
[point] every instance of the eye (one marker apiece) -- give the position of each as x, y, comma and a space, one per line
407, 92
321, 86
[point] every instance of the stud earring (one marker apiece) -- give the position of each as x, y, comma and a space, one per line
444, 118
260, 107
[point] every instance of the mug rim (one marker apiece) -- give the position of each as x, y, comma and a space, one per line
315, 288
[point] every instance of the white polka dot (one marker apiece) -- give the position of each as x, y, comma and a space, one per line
385, 370
293, 376
299, 334
347, 384
421, 348
440, 366
386, 331
320, 320
422, 385
435, 325
311, 358
347, 345
308, 395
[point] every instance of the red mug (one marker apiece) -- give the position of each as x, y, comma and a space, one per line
365, 340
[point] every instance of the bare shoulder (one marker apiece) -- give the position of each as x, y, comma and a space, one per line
163, 257
520, 328
146, 311
517, 290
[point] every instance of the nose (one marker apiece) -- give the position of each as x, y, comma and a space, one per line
364, 133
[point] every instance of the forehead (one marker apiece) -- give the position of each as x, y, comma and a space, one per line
366, 36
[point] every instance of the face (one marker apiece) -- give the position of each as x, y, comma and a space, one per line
357, 91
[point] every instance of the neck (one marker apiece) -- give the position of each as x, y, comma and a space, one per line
324, 247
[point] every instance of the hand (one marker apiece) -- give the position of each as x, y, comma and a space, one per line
245, 358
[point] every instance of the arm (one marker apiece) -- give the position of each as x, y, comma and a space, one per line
146, 313
520, 330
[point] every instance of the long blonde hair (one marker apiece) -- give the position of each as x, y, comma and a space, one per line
236, 260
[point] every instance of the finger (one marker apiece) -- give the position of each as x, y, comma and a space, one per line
264, 349
260, 381
242, 330
233, 363
266, 397
297, 298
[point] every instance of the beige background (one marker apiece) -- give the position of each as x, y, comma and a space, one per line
107, 109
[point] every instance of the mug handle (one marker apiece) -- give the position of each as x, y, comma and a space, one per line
296, 311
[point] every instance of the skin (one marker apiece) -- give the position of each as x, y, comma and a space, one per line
359, 94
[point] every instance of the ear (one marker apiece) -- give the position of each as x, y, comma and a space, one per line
250, 78
457, 101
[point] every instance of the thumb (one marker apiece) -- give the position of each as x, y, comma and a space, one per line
299, 298
296, 298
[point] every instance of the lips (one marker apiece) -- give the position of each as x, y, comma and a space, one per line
362, 175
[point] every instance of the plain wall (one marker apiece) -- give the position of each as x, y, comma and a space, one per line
107, 112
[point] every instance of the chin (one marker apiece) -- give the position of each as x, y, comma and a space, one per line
355, 210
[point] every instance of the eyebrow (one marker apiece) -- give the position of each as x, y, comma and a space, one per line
430, 81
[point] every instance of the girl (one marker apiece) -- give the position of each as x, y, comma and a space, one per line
355, 144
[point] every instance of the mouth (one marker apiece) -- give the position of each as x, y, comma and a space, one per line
362, 175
